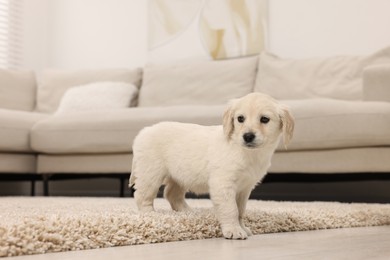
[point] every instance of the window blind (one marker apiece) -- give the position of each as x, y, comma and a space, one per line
10, 33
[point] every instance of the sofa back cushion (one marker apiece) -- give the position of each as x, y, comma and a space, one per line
376, 83
338, 77
197, 82
54, 83
17, 89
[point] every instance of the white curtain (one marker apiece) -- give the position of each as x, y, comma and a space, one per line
10, 33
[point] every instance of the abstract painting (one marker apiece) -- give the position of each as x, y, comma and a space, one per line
213, 29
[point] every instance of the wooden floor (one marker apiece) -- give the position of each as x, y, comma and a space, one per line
351, 243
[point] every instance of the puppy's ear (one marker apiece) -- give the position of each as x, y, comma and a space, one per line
287, 124
228, 119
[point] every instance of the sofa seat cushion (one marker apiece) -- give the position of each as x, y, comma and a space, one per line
111, 131
15, 129
24, 163
333, 124
85, 163
320, 124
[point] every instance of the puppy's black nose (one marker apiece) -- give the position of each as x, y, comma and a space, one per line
249, 137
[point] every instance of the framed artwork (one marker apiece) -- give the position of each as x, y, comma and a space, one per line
208, 29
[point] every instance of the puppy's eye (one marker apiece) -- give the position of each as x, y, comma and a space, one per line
264, 119
241, 119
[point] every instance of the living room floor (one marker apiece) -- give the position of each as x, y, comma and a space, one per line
348, 243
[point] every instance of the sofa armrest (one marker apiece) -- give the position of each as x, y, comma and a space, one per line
376, 83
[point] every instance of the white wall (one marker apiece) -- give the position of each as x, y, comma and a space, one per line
35, 33
97, 33
306, 28
113, 33
85, 33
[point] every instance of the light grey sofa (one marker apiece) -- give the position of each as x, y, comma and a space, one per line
338, 130
17, 102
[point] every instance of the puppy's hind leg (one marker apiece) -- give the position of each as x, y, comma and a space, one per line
148, 181
175, 195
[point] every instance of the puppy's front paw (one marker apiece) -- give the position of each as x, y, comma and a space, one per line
247, 230
234, 232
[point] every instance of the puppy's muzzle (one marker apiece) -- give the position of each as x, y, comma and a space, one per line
249, 138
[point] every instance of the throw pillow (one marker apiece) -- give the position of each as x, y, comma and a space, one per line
53, 84
337, 77
99, 95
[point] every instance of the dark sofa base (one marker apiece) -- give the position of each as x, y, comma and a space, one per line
351, 187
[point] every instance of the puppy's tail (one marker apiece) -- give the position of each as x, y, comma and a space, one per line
132, 180
132, 175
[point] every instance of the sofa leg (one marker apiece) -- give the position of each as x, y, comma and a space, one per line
33, 188
122, 187
45, 178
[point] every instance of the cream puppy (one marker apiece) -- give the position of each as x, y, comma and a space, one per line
225, 161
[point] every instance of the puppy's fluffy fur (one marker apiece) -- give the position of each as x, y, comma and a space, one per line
225, 161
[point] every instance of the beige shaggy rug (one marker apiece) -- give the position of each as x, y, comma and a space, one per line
35, 225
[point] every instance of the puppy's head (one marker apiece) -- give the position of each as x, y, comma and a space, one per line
257, 120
